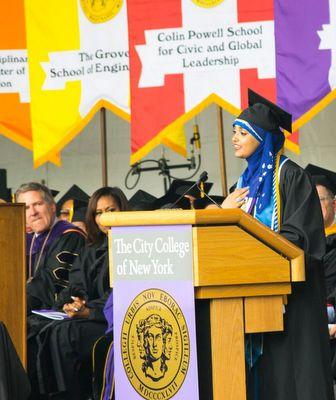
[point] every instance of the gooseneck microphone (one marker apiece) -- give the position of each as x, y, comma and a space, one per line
202, 178
212, 200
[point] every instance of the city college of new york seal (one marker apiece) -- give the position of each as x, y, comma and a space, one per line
155, 346
207, 3
99, 11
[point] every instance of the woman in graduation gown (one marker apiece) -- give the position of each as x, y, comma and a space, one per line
293, 364
64, 358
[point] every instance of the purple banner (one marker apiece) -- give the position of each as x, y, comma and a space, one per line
154, 315
304, 41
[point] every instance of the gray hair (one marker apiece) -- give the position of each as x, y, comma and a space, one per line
36, 187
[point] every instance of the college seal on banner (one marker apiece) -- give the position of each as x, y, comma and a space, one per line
99, 11
207, 3
155, 347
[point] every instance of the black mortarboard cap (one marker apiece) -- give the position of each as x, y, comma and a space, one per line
5, 193
202, 203
323, 177
195, 192
142, 201
176, 190
54, 192
79, 215
265, 114
81, 199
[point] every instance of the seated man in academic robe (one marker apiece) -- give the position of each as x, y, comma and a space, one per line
52, 246
325, 182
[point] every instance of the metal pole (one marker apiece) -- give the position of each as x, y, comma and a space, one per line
103, 145
222, 150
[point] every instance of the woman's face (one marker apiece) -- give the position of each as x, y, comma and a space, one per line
66, 208
243, 142
105, 204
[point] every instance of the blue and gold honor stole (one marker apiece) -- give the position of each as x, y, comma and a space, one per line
271, 215
262, 175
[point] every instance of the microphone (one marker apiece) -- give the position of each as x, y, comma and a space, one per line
200, 182
212, 200
197, 139
202, 178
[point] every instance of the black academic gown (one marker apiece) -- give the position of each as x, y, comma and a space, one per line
330, 267
50, 270
295, 364
330, 281
51, 275
14, 383
65, 347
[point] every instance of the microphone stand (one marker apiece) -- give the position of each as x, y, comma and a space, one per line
208, 197
202, 178
163, 167
183, 194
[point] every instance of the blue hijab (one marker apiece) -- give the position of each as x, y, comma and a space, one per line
259, 174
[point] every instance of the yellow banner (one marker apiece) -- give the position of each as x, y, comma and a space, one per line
78, 63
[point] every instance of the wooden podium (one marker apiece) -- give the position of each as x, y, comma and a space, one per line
245, 270
13, 274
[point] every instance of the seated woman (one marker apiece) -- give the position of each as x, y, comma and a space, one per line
293, 364
64, 359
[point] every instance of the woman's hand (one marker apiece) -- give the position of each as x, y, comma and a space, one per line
236, 199
76, 309
332, 331
191, 200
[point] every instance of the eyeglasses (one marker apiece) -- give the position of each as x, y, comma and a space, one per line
64, 212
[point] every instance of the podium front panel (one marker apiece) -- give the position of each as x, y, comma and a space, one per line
227, 255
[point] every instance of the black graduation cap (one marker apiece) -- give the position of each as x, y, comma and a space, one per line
142, 201
54, 192
176, 190
79, 215
323, 177
5, 193
265, 114
202, 203
75, 193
